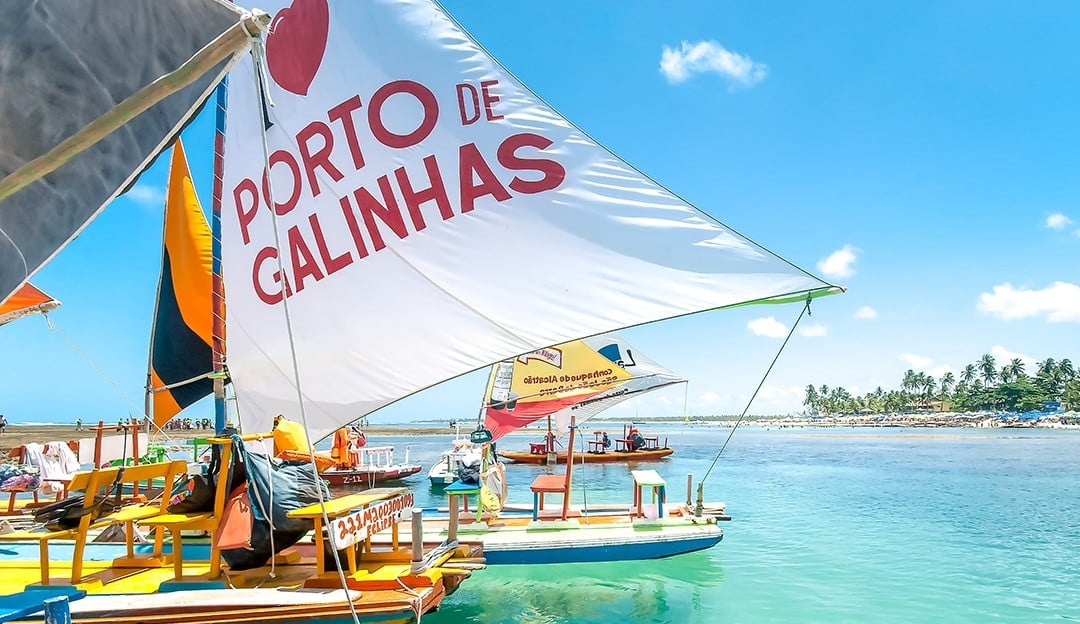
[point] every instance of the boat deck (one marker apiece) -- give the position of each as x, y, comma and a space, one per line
293, 593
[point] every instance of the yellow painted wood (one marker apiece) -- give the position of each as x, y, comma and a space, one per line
343, 505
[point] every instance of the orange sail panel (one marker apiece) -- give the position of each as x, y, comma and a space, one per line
183, 320
27, 300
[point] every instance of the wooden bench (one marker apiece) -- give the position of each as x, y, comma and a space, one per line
105, 480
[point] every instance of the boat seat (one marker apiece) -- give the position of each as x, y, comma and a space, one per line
106, 480
198, 521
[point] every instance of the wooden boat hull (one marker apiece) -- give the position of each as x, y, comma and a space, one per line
148, 595
524, 457
230, 605
368, 478
519, 540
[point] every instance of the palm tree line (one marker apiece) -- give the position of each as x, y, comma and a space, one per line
979, 386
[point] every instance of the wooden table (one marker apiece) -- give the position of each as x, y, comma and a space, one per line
340, 507
458, 488
649, 479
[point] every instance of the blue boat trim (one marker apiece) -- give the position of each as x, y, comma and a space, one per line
599, 553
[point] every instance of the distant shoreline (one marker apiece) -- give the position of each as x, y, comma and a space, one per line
17, 434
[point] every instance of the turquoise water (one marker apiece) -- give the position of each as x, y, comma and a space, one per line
831, 525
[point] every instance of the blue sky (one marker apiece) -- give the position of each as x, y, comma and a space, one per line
923, 154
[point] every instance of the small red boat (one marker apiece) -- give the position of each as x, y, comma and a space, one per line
631, 447
376, 465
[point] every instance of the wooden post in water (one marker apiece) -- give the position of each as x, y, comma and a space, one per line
57, 610
549, 445
689, 489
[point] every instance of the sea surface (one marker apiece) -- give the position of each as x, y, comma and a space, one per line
829, 525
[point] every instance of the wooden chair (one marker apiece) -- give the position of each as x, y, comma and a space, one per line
200, 521
104, 480
555, 484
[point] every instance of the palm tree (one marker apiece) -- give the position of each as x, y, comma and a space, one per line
988, 366
1065, 367
1015, 368
947, 381
811, 400
968, 376
929, 384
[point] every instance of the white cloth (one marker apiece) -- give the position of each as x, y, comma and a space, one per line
57, 463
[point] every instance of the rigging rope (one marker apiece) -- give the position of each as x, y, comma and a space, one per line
104, 376
805, 310
258, 54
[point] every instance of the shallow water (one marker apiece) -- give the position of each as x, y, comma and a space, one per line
830, 525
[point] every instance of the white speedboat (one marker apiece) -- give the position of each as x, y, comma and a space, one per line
448, 468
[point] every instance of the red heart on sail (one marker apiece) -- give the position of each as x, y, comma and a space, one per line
296, 44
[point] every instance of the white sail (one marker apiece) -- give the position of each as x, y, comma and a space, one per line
648, 375
435, 216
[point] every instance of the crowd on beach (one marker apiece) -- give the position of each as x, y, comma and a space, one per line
189, 424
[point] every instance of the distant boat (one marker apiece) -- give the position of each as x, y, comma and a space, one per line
376, 466
350, 463
575, 381
649, 449
448, 468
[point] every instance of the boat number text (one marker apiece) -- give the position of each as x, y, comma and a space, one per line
362, 523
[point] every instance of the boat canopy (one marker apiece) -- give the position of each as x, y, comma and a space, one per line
66, 68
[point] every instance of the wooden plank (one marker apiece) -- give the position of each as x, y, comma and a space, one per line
29, 602
345, 504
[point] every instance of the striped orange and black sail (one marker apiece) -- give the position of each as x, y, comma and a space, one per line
180, 353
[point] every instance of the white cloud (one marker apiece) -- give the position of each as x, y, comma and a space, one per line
840, 263
866, 312
678, 65
1058, 221
813, 331
147, 196
710, 397
940, 369
776, 399
767, 326
1003, 356
1058, 303
918, 362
